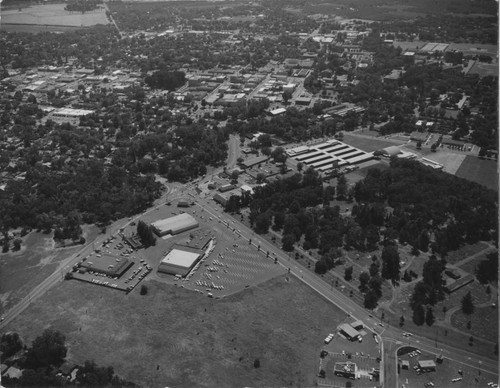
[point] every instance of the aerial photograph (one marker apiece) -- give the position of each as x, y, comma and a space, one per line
249, 193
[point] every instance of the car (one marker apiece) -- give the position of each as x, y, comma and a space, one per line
381, 324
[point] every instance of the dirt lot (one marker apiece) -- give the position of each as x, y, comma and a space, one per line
53, 14
172, 336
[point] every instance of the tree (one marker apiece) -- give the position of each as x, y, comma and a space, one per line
364, 278
341, 187
10, 343
487, 270
429, 317
401, 321
348, 273
370, 301
467, 304
390, 262
146, 234
256, 363
419, 315
46, 350
144, 290
286, 96
17, 244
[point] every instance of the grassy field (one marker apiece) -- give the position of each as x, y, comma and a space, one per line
481, 171
21, 271
175, 337
367, 144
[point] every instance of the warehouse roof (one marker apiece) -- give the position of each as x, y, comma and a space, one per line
181, 221
180, 258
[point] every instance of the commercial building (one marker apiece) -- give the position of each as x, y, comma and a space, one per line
106, 264
427, 365
349, 332
345, 369
174, 225
180, 260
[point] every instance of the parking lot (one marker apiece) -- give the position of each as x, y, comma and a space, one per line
117, 249
233, 265
365, 354
447, 374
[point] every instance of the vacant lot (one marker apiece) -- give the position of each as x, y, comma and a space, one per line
481, 171
176, 337
53, 14
21, 271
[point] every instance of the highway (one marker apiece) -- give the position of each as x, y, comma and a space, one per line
392, 337
66, 265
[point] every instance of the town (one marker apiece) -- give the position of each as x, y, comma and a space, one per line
248, 194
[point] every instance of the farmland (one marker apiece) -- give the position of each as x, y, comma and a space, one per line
49, 15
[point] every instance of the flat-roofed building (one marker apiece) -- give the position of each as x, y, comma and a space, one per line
427, 365
174, 225
107, 264
345, 369
349, 332
180, 261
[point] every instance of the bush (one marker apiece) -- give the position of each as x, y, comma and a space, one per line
256, 363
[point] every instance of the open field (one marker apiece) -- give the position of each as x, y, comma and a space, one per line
450, 160
52, 15
482, 171
21, 271
445, 372
368, 144
175, 337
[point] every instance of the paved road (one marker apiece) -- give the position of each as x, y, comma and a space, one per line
392, 336
63, 267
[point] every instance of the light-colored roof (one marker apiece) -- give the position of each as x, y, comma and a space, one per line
175, 223
392, 150
180, 258
426, 363
349, 330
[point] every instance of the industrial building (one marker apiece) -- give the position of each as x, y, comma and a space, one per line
329, 155
106, 264
180, 260
174, 225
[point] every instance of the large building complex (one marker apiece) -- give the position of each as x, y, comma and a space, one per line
174, 225
329, 155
